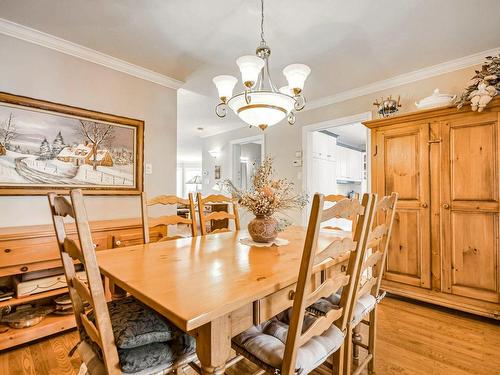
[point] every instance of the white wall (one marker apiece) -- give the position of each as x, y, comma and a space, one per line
35, 71
283, 140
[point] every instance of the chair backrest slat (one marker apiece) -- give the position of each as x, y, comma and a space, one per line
386, 213
303, 298
166, 220
72, 249
378, 242
334, 198
100, 330
217, 215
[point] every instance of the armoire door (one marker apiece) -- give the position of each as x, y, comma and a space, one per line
402, 166
469, 206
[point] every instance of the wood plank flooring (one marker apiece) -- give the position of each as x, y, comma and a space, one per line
413, 339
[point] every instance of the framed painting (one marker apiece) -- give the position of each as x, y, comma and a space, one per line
47, 146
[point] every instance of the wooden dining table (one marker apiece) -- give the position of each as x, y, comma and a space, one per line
214, 287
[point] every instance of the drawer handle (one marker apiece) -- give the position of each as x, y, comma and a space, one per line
118, 242
95, 245
291, 295
23, 269
446, 206
7, 250
343, 268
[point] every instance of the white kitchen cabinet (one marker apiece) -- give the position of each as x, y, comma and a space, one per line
323, 177
349, 164
323, 146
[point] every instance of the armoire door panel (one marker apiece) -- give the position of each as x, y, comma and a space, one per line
474, 253
472, 155
469, 207
403, 260
403, 167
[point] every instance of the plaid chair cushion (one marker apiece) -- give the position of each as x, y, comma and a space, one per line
364, 305
266, 343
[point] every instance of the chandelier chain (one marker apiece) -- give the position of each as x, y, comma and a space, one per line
262, 21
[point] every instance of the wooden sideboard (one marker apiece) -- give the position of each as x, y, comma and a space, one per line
34, 248
444, 163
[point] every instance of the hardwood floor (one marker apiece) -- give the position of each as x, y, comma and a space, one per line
413, 339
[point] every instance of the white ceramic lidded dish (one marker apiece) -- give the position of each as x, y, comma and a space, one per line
436, 100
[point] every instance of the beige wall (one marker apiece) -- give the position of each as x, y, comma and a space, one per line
34, 71
282, 140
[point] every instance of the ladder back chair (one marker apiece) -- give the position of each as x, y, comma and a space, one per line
335, 198
370, 295
296, 341
217, 215
166, 220
107, 345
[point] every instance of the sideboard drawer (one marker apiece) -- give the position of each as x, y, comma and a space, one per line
28, 251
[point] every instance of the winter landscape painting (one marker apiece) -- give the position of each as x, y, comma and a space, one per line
49, 150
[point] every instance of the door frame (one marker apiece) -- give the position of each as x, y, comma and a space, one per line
307, 148
261, 139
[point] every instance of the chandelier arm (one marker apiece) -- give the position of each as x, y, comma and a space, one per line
269, 79
220, 110
248, 99
300, 102
291, 118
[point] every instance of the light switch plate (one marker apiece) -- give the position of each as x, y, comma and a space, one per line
149, 168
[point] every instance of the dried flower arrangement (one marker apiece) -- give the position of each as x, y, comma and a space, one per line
483, 86
267, 197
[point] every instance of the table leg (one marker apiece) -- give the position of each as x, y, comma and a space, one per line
213, 345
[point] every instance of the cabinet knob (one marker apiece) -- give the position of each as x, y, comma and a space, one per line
343, 268
446, 206
424, 205
95, 245
118, 242
7, 250
23, 269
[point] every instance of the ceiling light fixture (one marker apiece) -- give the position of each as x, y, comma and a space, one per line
262, 104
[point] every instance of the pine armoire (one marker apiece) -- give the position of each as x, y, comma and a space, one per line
444, 163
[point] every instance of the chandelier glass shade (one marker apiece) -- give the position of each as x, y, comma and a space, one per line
261, 103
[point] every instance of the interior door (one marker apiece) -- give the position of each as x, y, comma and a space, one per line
469, 206
402, 166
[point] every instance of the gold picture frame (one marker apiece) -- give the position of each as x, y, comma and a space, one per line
46, 146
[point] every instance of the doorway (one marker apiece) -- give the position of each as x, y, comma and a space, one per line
335, 158
247, 155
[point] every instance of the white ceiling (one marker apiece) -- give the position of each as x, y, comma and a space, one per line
346, 43
352, 135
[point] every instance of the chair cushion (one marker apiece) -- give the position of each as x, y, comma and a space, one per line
147, 359
135, 324
141, 359
364, 305
145, 340
266, 342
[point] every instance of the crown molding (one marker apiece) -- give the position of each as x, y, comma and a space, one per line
40, 38
403, 79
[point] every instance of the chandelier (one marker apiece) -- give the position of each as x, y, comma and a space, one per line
261, 103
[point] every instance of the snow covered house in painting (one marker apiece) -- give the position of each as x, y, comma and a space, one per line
83, 154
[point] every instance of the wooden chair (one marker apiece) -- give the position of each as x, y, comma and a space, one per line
334, 198
98, 348
218, 215
166, 220
372, 271
296, 340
